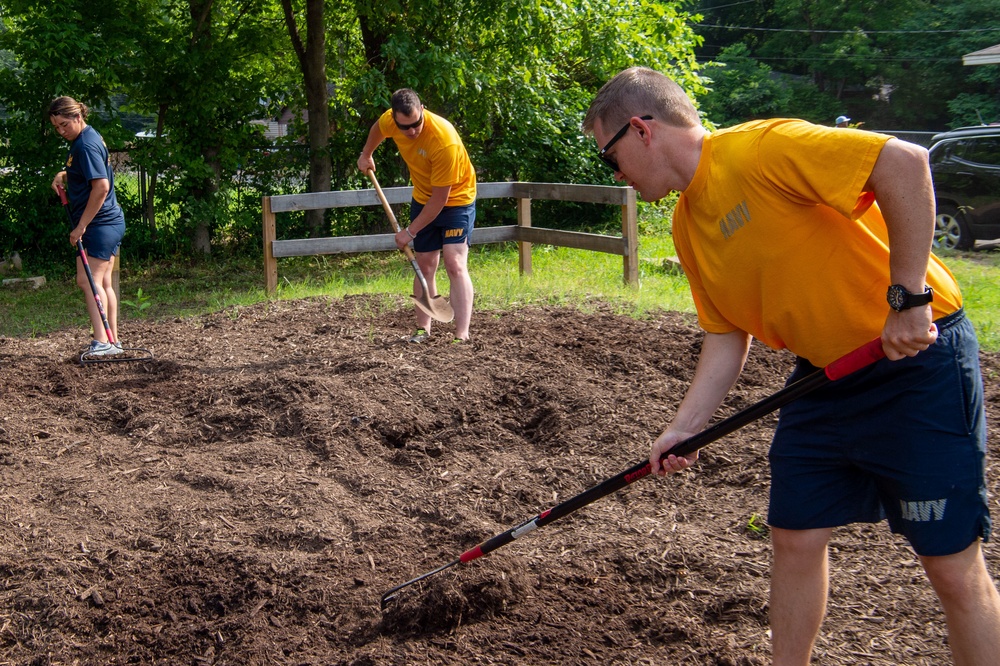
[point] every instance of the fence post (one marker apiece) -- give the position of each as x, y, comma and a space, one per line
116, 274
523, 248
630, 234
270, 235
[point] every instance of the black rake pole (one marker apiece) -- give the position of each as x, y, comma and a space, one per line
847, 364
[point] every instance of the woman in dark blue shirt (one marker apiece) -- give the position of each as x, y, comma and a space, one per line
99, 222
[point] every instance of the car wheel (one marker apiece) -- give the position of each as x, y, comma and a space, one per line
950, 232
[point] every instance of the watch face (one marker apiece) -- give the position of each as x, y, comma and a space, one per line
896, 297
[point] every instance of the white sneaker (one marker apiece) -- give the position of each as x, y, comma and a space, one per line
101, 349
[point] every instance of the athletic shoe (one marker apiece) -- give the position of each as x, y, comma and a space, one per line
101, 349
118, 345
420, 336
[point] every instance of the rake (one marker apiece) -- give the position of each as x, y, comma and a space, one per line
851, 362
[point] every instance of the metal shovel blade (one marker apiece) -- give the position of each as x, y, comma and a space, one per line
437, 308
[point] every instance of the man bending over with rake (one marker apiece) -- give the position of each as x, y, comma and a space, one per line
798, 235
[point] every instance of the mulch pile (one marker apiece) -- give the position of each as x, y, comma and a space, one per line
248, 495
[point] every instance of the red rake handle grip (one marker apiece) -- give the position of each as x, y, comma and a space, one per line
62, 195
855, 360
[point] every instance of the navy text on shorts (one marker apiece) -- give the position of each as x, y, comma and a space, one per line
453, 224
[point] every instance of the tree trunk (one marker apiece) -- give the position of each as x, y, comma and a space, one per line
312, 63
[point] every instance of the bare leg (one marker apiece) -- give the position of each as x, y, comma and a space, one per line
428, 262
111, 298
799, 587
971, 605
456, 263
98, 268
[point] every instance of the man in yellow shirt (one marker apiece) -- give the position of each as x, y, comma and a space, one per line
818, 240
443, 210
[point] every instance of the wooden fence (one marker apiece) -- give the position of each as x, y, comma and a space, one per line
523, 233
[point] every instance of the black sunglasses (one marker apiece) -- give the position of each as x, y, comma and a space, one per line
603, 152
403, 128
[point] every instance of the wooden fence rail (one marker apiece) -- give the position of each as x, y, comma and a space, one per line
523, 233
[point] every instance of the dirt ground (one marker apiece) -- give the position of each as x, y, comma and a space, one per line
248, 496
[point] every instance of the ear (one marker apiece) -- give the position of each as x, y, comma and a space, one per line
643, 128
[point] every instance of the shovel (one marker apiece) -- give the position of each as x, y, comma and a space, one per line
851, 362
437, 308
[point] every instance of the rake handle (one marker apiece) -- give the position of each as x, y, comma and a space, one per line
851, 362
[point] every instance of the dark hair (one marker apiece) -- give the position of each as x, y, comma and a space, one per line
405, 101
68, 107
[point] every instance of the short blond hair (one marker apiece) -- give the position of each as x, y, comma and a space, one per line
639, 91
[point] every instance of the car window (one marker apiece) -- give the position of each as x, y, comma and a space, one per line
984, 150
942, 151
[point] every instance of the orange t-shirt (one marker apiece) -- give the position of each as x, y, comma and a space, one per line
778, 239
436, 158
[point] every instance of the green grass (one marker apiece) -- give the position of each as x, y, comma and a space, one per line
978, 274
560, 276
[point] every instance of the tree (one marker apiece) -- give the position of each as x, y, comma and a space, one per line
515, 76
76, 52
742, 89
204, 67
894, 63
312, 63
933, 88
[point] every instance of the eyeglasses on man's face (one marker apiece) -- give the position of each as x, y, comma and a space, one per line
603, 152
409, 126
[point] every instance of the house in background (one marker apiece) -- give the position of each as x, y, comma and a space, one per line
278, 126
987, 56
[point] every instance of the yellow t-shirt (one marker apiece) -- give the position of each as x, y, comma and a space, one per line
778, 239
436, 158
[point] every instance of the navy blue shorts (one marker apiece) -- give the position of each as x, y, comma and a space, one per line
101, 241
453, 224
903, 440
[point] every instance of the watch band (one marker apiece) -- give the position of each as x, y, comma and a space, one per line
899, 298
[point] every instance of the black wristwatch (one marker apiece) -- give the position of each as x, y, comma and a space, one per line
900, 299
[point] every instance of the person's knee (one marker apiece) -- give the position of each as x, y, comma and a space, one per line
799, 543
456, 261
958, 575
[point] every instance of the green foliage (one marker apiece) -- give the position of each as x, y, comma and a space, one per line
932, 77
742, 89
756, 526
205, 65
808, 102
973, 109
514, 76
892, 64
140, 303
50, 54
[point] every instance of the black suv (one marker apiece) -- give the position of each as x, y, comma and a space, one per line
966, 167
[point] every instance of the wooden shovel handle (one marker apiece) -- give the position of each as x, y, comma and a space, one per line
388, 211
